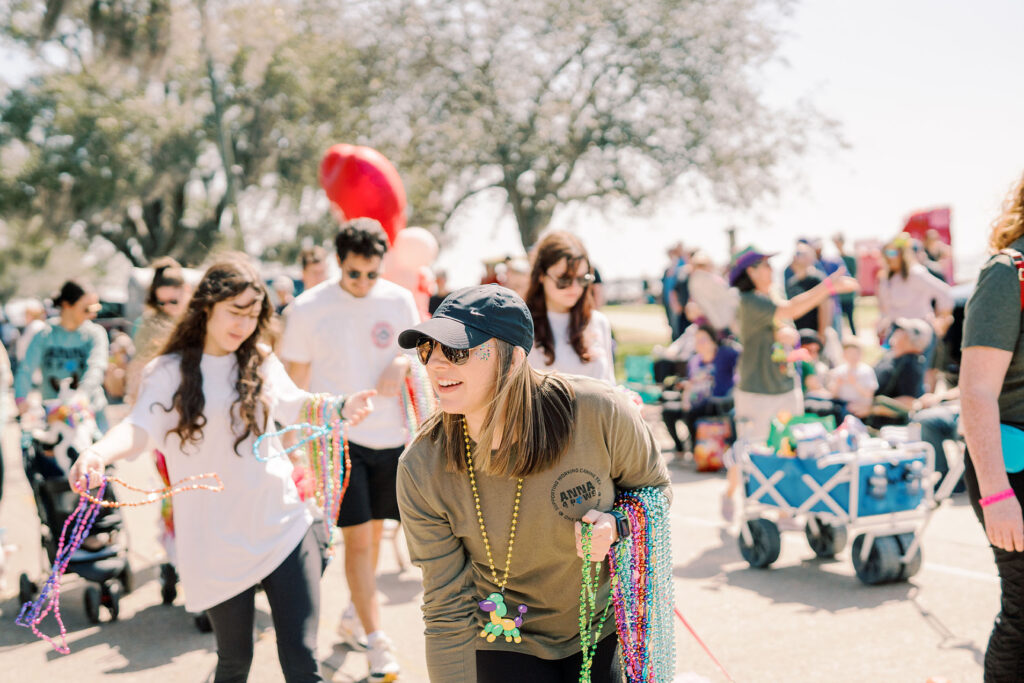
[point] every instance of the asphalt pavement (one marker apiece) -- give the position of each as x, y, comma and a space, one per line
804, 619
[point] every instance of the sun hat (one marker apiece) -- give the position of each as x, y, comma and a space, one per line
743, 260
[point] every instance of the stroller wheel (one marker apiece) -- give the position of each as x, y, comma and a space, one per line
883, 561
913, 565
828, 541
92, 604
202, 622
765, 546
26, 589
127, 579
112, 599
168, 583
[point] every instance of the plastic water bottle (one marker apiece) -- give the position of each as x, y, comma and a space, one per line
914, 478
878, 482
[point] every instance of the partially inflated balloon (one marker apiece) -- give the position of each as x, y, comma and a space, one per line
414, 248
363, 183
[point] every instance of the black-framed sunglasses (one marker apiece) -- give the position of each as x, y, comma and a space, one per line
168, 302
454, 356
356, 274
565, 282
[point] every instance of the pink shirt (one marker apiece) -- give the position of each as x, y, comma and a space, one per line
912, 297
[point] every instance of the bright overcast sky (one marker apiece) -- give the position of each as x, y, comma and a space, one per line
930, 97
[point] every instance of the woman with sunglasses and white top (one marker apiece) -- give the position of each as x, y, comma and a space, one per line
570, 335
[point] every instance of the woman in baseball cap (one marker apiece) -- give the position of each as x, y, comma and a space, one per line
494, 486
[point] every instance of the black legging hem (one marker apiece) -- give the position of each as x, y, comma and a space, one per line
502, 666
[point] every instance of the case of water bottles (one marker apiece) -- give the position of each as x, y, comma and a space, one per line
837, 481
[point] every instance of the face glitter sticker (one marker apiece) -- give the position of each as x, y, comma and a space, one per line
483, 352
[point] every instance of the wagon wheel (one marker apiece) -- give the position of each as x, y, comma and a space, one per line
765, 546
882, 563
913, 565
829, 540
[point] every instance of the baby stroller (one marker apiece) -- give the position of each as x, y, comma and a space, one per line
47, 453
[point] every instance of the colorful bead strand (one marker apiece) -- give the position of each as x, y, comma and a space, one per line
589, 634
642, 588
33, 613
327, 454
80, 522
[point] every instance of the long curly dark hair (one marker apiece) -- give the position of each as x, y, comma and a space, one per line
554, 247
231, 275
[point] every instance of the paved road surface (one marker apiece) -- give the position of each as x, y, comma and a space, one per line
802, 620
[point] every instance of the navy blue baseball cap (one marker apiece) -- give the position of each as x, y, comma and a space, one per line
468, 317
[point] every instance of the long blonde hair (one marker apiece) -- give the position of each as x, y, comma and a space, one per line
1009, 227
535, 411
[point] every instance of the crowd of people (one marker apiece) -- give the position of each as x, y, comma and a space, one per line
524, 372
743, 350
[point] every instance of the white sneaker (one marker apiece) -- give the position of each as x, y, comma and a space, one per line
350, 630
383, 664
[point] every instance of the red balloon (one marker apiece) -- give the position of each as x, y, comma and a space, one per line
363, 183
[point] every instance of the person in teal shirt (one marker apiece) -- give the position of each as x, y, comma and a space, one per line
71, 345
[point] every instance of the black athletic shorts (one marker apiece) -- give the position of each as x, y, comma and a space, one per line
371, 490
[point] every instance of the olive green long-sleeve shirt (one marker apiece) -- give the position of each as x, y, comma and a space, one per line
612, 449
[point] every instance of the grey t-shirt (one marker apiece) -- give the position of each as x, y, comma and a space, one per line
758, 374
993, 319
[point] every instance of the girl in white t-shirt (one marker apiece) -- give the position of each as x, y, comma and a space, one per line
203, 401
854, 381
570, 335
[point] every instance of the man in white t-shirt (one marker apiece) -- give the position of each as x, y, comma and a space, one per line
341, 337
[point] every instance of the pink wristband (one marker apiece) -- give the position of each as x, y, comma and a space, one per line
830, 287
996, 497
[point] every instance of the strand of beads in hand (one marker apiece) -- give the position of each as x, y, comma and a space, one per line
326, 449
74, 532
642, 588
642, 595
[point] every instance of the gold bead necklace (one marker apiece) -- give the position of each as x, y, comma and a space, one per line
480, 515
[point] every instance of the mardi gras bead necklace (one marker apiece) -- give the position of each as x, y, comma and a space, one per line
80, 522
588, 604
418, 397
153, 495
327, 455
642, 588
494, 605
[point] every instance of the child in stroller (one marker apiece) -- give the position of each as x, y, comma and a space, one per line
48, 450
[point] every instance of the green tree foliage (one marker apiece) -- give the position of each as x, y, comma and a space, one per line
125, 147
553, 102
143, 113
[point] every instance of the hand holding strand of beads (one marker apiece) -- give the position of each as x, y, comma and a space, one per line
604, 534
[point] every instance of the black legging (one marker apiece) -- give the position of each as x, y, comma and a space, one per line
1004, 658
672, 413
293, 591
499, 666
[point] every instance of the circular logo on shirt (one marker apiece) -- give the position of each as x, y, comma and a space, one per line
382, 334
574, 492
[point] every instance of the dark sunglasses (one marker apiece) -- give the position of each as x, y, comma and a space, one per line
356, 274
565, 282
454, 356
168, 302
